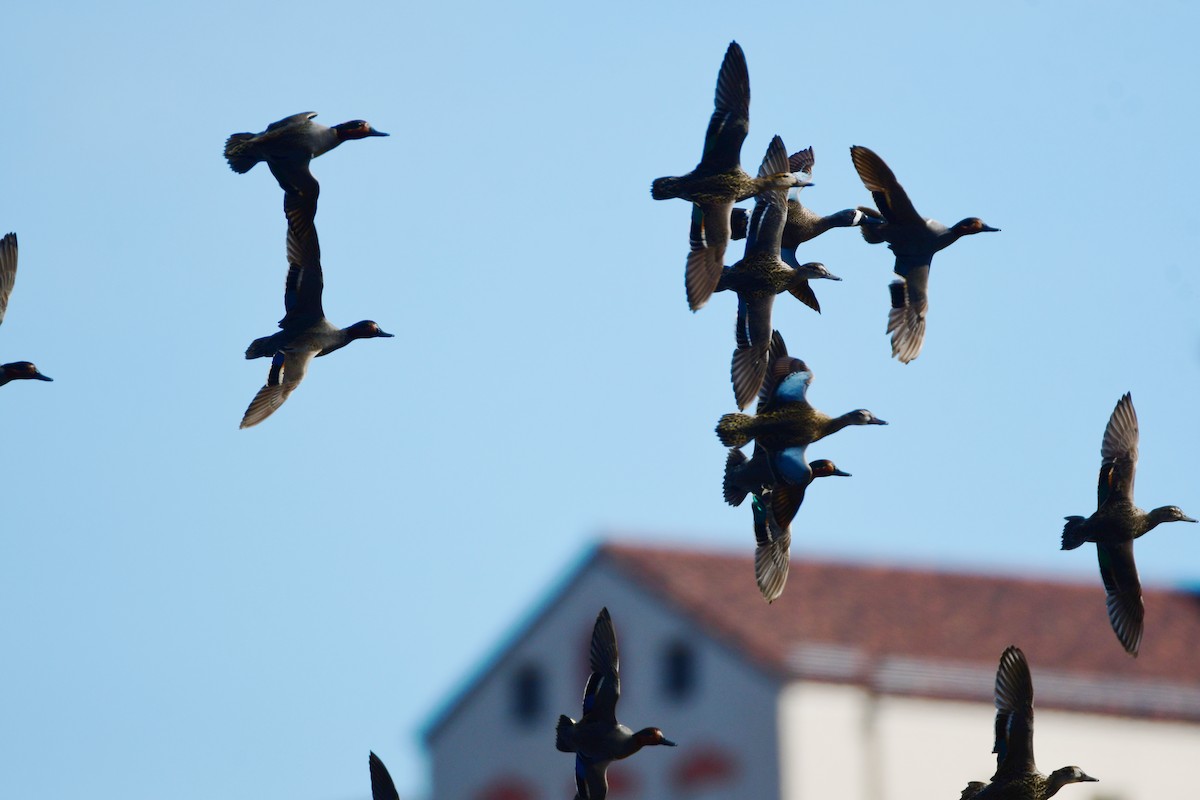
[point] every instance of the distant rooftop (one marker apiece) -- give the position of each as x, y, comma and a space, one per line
905, 630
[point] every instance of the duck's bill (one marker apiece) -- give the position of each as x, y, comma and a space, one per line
374, 132
990, 229
1187, 519
386, 335
802, 179
831, 276
841, 474
878, 421
42, 377
668, 743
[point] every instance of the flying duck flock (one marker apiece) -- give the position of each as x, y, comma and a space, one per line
778, 472
776, 476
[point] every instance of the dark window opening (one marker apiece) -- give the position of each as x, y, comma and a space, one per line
679, 671
527, 694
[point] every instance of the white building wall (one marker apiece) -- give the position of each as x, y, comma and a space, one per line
801, 741
821, 741
733, 708
923, 748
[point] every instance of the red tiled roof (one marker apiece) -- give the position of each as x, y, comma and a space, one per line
923, 631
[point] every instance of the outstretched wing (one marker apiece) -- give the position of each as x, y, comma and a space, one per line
305, 282
1014, 715
8, 270
1123, 593
802, 161
287, 370
772, 554
709, 236
906, 319
604, 684
591, 778
789, 378
382, 787
890, 197
770, 210
730, 122
1118, 453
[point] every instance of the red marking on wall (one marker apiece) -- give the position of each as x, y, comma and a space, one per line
507, 788
705, 766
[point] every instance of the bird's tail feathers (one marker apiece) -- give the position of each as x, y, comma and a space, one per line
564, 734
262, 348
732, 429
734, 494
664, 188
240, 155
1073, 534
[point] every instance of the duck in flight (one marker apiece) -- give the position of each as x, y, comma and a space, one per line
802, 224
914, 240
758, 277
719, 181
305, 332
1117, 522
289, 145
776, 481
790, 423
1017, 776
14, 370
597, 739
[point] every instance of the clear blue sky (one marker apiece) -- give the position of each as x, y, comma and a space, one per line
197, 611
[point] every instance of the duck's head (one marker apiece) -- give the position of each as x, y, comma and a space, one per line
798, 181
1169, 514
823, 468
848, 218
356, 129
973, 225
863, 417
814, 270
1064, 775
22, 370
367, 329
648, 737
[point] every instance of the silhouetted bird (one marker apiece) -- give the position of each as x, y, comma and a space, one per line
1117, 522
777, 481
597, 739
774, 504
306, 333
719, 181
801, 225
758, 277
14, 370
1017, 776
289, 145
791, 423
914, 240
